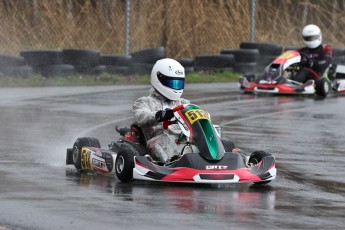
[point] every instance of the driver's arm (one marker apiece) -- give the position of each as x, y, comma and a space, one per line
143, 114
326, 58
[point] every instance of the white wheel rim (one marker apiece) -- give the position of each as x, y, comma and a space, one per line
120, 164
75, 153
326, 87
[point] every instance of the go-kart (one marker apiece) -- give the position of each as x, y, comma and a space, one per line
204, 157
277, 78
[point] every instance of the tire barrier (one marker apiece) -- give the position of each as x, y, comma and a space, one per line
214, 63
251, 57
187, 63
14, 66
143, 60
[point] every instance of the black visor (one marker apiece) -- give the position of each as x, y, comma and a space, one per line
171, 82
311, 38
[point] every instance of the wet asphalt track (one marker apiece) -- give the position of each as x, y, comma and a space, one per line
37, 190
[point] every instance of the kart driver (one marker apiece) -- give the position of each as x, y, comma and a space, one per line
167, 81
318, 58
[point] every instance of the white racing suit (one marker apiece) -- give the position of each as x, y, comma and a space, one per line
161, 143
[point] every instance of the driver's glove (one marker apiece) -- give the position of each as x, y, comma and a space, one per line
164, 115
306, 63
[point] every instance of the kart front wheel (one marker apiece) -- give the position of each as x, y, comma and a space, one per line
322, 87
255, 158
79, 144
124, 163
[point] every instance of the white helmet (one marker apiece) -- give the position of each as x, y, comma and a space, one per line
312, 36
167, 77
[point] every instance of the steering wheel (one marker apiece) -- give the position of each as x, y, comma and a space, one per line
166, 124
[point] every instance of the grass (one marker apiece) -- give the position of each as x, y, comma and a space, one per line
108, 79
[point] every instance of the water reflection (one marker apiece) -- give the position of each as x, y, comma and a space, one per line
237, 201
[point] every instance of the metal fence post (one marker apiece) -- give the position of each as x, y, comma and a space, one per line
252, 20
127, 21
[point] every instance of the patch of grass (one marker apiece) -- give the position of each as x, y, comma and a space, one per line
107, 79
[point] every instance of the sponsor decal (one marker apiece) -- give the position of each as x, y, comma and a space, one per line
179, 72
98, 163
267, 82
216, 167
196, 114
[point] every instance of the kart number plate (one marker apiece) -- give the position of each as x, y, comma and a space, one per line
85, 159
196, 114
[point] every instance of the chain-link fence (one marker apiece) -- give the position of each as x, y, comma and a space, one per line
185, 28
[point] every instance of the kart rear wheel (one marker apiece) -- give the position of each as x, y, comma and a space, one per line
322, 87
255, 159
79, 144
228, 145
124, 163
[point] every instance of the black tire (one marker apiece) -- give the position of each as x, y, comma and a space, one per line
255, 158
245, 67
150, 55
121, 70
263, 62
90, 70
264, 48
186, 62
124, 163
17, 71
55, 70
42, 57
243, 55
79, 144
214, 63
188, 69
81, 57
213, 69
322, 87
10, 61
115, 60
228, 145
140, 68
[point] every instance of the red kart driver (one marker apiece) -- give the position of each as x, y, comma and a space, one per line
316, 57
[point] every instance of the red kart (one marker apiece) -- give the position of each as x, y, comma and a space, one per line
276, 78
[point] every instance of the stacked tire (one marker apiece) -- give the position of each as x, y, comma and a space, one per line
246, 59
84, 61
48, 63
267, 52
187, 63
214, 63
142, 61
116, 64
14, 66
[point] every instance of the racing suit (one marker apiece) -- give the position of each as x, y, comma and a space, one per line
161, 143
320, 59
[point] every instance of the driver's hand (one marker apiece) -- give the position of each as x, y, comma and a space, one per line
164, 115
305, 62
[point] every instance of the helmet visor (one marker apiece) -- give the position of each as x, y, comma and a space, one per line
311, 38
171, 82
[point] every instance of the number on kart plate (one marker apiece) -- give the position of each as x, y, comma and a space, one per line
85, 159
196, 114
